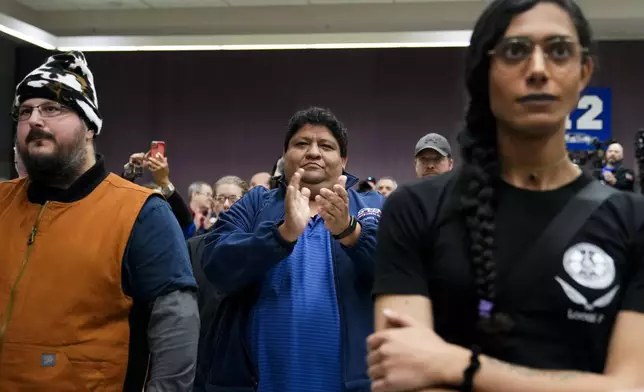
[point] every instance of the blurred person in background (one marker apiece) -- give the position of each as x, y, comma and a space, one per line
295, 265
202, 207
432, 156
96, 288
160, 170
261, 179
386, 185
367, 185
614, 173
228, 190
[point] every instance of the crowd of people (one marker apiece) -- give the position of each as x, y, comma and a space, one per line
513, 270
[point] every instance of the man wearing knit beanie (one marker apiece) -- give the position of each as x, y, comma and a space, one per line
96, 285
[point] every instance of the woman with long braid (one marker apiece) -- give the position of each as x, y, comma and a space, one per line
463, 299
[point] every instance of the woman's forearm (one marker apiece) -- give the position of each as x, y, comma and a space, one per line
498, 376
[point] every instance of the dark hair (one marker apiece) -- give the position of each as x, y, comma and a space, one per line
318, 116
481, 171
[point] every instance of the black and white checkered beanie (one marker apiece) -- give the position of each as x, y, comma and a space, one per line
64, 78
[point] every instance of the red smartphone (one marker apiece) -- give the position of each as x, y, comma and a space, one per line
157, 147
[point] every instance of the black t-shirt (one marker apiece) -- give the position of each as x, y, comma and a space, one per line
567, 322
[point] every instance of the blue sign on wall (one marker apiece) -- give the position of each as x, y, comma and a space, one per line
591, 121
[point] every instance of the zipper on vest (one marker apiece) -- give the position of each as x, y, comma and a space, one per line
14, 287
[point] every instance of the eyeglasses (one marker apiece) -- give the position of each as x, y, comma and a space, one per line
222, 199
515, 50
207, 194
46, 110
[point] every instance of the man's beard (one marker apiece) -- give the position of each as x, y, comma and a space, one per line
58, 169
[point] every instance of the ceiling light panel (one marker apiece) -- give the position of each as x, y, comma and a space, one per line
185, 3
265, 3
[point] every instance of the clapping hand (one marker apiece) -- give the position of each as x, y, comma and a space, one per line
334, 206
296, 209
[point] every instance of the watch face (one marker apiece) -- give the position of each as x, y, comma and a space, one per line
168, 191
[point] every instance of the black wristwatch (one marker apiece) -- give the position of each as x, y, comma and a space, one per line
353, 224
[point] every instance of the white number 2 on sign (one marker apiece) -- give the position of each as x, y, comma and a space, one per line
593, 106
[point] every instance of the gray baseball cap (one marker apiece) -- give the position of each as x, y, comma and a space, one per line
435, 142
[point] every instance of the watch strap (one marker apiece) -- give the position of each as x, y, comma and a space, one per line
353, 224
168, 190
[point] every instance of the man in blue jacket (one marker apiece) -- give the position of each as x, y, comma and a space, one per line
295, 265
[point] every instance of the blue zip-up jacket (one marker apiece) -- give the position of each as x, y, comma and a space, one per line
244, 245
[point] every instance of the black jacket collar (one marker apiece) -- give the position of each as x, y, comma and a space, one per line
83, 186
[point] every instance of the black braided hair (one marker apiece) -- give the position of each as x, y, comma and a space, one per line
478, 140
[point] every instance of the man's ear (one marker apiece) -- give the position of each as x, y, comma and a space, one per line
90, 134
344, 162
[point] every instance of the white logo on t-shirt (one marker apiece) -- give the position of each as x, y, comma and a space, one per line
590, 267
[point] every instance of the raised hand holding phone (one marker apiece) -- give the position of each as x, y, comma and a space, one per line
158, 166
157, 148
296, 209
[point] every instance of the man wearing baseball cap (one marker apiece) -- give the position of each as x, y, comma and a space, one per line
433, 156
96, 285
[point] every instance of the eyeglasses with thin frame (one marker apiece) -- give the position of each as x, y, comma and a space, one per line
558, 50
46, 110
222, 199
